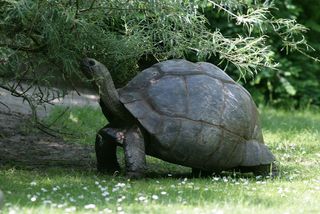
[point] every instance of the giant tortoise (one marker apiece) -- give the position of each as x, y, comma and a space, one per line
192, 114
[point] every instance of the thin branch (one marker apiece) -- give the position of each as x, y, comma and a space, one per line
58, 117
113, 8
5, 105
22, 48
224, 9
43, 127
44, 130
91, 7
77, 5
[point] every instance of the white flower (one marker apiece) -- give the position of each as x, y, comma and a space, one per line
62, 205
120, 199
107, 210
120, 185
72, 199
216, 178
141, 198
12, 211
217, 211
47, 202
70, 209
90, 206
280, 190
155, 197
33, 198
103, 188
163, 193
104, 194
33, 183
44, 190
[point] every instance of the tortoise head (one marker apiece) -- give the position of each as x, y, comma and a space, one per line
93, 69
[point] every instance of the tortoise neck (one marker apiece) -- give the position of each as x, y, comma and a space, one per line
110, 97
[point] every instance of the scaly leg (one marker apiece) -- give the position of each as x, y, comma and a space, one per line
135, 157
106, 150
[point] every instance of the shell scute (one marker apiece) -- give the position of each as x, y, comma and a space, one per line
205, 99
168, 96
214, 71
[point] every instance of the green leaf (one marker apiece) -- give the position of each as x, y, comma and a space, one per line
287, 86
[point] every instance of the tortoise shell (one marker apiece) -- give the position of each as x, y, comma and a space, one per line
196, 116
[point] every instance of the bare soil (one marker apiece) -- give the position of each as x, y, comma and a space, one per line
22, 145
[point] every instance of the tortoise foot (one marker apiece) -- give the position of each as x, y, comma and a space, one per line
135, 175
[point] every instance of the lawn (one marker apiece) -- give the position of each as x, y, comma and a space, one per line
292, 136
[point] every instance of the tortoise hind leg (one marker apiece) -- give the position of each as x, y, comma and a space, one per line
263, 170
199, 173
106, 150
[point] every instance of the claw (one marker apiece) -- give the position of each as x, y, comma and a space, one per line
120, 136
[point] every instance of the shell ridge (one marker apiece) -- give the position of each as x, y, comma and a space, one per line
187, 94
200, 73
224, 103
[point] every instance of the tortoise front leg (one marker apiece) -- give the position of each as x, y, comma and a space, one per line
106, 150
135, 156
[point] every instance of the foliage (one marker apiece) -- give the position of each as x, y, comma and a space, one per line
79, 123
42, 42
296, 82
292, 136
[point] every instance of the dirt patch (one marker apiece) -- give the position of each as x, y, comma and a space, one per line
27, 147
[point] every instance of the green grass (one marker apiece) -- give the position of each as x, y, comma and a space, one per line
79, 124
292, 136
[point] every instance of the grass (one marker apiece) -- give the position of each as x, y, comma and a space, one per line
79, 123
292, 136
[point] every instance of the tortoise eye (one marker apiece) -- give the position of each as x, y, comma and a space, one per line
92, 62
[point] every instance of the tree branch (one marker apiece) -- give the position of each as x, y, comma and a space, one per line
22, 48
91, 6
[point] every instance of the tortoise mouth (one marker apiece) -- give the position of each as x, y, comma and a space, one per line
88, 62
86, 67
